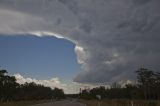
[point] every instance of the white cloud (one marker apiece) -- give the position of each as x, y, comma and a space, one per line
42, 33
80, 53
53, 82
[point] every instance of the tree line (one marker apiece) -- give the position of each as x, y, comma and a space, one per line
10, 90
147, 87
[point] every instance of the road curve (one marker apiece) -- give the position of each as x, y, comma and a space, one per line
61, 103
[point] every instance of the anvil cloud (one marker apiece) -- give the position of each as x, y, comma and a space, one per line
113, 37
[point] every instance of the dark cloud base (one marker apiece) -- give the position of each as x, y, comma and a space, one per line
113, 38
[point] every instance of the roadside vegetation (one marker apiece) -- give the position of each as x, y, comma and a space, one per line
11, 91
144, 93
119, 102
147, 88
23, 103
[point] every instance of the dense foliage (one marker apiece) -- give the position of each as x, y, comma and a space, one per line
10, 90
148, 87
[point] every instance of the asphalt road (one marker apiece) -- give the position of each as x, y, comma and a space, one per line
61, 103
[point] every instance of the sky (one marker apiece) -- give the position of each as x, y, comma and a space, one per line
108, 40
38, 57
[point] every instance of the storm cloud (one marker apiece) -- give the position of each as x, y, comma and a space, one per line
113, 37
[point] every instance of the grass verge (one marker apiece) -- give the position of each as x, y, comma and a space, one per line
23, 103
120, 103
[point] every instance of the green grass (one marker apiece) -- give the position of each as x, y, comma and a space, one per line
120, 103
23, 103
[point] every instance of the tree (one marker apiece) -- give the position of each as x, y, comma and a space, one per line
58, 93
157, 85
8, 86
147, 82
12, 91
2, 79
98, 91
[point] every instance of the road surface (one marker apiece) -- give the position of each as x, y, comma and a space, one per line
61, 103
